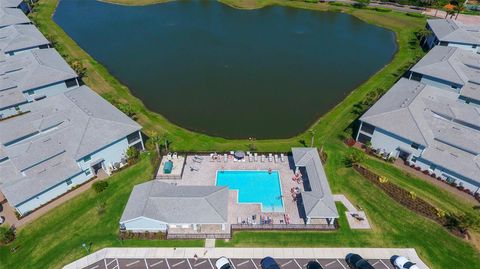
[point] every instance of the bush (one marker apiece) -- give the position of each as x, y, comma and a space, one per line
100, 186
311, 1
79, 68
7, 235
415, 15
381, 9
355, 156
132, 155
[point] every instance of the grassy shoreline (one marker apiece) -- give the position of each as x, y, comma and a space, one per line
100, 80
51, 241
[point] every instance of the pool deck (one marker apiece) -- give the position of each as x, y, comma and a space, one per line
238, 213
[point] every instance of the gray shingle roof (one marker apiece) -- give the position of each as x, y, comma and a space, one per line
19, 37
10, 3
318, 202
177, 204
30, 70
454, 65
58, 131
11, 16
449, 129
455, 31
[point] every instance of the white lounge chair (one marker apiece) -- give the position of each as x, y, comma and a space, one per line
194, 168
255, 157
175, 155
282, 157
198, 157
225, 157
262, 159
275, 158
211, 157
196, 160
270, 157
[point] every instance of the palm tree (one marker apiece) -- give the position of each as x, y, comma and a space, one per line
423, 35
458, 8
156, 140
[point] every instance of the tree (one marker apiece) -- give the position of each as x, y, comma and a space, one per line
78, 67
423, 35
156, 140
100, 186
312, 140
355, 156
7, 235
132, 155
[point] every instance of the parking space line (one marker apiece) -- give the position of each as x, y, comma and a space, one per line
386, 266
197, 264
233, 265
330, 263
107, 264
189, 264
168, 265
242, 263
341, 264
375, 263
155, 264
95, 267
178, 263
297, 264
287, 263
146, 264
132, 263
211, 264
254, 264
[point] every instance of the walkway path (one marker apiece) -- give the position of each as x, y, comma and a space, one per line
245, 253
467, 19
358, 222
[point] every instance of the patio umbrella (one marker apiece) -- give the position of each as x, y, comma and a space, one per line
239, 154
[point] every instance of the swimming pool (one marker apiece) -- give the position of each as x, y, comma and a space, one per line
260, 187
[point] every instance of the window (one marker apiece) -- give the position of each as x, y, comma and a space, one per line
433, 167
69, 182
416, 76
367, 128
133, 137
364, 138
30, 92
414, 159
87, 172
71, 83
415, 145
87, 158
454, 87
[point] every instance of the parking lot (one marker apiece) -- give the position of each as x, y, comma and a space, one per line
210, 263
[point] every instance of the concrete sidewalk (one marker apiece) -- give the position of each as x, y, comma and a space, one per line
249, 253
351, 209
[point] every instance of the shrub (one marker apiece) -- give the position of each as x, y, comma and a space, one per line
311, 1
355, 156
415, 15
79, 68
381, 9
127, 109
100, 186
7, 235
132, 155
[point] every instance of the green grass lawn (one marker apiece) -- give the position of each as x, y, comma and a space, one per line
56, 238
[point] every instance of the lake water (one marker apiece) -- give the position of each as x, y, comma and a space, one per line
267, 73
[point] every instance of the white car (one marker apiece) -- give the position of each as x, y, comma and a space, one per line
223, 263
401, 262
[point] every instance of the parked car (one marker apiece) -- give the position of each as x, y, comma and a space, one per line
223, 263
401, 262
314, 265
356, 261
269, 263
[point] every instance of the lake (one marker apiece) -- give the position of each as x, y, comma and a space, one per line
266, 73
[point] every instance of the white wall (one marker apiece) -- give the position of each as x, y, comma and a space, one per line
111, 154
144, 224
382, 139
52, 193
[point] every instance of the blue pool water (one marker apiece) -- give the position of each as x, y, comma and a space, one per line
258, 187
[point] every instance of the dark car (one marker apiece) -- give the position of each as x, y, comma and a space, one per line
314, 265
269, 263
356, 261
